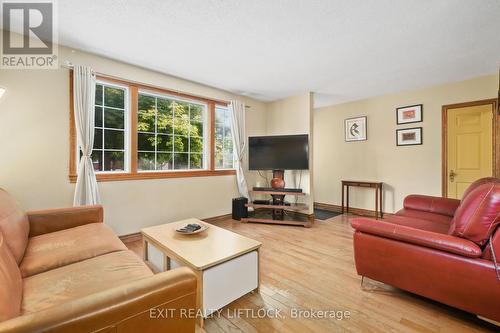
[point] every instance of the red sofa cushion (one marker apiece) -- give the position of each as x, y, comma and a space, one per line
479, 182
478, 215
418, 214
415, 236
419, 223
436, 205
495, 243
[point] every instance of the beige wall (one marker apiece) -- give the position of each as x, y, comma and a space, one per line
34, 149
293, 115
34, 146
404, 170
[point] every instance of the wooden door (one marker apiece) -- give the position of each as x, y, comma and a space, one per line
469, 146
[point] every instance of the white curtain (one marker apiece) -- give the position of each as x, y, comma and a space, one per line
84, 80
237, 109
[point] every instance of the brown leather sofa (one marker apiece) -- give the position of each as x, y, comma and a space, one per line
64, 270
438, 248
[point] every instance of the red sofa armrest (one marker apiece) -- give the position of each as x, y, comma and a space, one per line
419, 237
426, 203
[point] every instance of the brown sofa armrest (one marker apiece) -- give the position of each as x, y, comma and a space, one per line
45, 221
160, 303
430, 204
420, 237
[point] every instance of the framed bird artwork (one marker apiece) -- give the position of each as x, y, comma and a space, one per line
355, 129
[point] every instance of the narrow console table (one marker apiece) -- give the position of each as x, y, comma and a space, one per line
378, 194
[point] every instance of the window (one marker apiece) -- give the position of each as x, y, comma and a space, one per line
110, 138
170, 133
224, 156
144, 132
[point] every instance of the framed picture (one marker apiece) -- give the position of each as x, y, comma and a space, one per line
355, 129
410, 114
409, 136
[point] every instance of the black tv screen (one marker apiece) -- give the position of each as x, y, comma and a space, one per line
279, 152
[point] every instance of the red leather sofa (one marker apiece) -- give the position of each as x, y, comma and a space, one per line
439, 248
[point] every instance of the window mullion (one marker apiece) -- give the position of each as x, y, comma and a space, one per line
133, 139
189, 137
156, 133
103, 131
212, 138
223, 139
173, 135
229, 116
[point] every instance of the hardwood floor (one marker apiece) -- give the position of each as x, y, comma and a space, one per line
314, 269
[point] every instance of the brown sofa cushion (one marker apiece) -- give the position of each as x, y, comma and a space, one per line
11, 286
14, 225
60, 248
74, 281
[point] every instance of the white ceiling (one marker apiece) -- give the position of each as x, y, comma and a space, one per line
270, 49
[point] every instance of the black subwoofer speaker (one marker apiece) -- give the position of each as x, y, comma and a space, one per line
239, 208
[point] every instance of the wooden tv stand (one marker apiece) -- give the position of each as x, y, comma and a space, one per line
279, 207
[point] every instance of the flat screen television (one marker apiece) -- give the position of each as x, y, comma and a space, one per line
278, 152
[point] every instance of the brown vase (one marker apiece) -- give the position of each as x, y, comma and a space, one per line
277, 183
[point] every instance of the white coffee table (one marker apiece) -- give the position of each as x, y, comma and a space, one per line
226, 263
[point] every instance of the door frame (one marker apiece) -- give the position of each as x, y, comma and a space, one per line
444, 135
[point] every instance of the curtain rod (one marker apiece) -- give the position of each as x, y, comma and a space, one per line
70, 66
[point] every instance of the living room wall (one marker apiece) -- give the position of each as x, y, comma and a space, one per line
404, 170
293, 115
34, 149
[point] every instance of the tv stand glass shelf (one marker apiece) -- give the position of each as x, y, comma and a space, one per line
279, 209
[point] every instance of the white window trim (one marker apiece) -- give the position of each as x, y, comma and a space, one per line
205, 131
127, 125
215, 131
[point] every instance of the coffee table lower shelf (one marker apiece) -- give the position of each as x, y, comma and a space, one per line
306, 224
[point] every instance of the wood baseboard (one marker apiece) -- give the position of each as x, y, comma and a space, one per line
310, 217
352, 210
217, 218
136, 236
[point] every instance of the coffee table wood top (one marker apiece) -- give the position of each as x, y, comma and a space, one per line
201, 251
